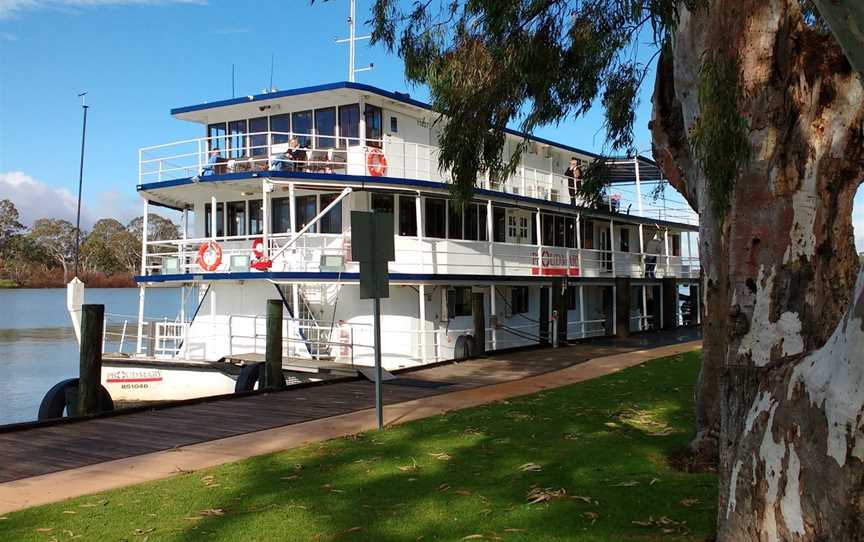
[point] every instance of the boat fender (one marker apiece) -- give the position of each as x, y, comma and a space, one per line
209, 255
64, 395
248, 377
376, 162
463, 348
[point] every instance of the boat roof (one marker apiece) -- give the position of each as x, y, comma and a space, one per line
622, 168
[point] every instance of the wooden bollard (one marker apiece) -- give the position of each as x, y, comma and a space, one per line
90, 361
272, 377
479, 319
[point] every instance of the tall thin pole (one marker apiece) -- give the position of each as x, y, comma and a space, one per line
85, 107
351, 40
379, 407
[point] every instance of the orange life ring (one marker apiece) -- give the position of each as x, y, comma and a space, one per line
209, 256
376, 162
258, 247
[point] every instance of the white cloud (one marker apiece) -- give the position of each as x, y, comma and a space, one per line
35, 199
10, 8
858, 219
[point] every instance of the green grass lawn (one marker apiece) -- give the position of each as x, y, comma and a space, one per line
584, 462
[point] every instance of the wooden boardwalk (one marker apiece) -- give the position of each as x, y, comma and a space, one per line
35, 450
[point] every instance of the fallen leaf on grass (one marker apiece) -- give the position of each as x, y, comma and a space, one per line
653, 481
44, 529
441, 456
213, 512
512, 530
292, 477
443, 487
689, 501
140, 532
69, 512
628, 483
537, 495
530, 467
2, 518
463, 492
473, 537
414, 467
193, 518
592, 516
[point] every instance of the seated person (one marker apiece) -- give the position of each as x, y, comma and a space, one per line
212, 160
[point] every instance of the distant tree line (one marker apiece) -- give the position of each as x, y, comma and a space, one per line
44, 253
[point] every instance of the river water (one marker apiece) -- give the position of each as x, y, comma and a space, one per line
37, 344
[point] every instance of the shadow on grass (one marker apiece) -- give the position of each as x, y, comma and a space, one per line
593, 454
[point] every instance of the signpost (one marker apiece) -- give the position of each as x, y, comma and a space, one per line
372, 246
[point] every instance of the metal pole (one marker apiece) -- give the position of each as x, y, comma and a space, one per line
85, 107
379, 411
351, 44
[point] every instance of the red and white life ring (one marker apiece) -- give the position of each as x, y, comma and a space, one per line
376, 162
258, 247
209, 256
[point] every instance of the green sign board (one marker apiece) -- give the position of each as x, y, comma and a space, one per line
372, 246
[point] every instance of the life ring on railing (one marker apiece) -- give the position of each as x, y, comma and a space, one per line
209, 256
376, 162
258, 247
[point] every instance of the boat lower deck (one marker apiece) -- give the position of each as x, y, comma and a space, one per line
41, 449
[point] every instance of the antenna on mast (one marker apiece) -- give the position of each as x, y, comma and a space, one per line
352, 37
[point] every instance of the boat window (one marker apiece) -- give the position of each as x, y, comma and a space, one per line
236, 138
407, 216
349, 125
624, 234
281, 221
481, 222
302, 127
236, 217
454, 222
307, 208
471, 222
383, 203
519, 299
282, 125
534, 228
459, 301
588, 235
560, 231
676, 244
571, 232
499, 229
547, 224
256, 214
216, 133
332, 221
258, 141
373, 126
436, 218
208, 219
325, 125
394, 125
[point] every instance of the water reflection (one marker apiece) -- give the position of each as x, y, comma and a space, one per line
37, 344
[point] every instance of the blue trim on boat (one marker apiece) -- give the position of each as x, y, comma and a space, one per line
309, 275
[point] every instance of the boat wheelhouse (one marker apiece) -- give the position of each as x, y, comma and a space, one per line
266, 194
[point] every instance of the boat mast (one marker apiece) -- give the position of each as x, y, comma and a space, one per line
351, 39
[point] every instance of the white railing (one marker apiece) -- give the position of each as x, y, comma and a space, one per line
287, 151
429, 255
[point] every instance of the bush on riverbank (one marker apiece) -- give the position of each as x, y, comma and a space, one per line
41, 277
584, 462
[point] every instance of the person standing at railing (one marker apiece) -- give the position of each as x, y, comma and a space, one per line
574, 178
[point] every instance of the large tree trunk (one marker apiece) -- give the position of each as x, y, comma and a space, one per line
785, 339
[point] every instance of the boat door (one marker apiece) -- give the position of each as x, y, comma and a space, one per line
606, 248
518, 226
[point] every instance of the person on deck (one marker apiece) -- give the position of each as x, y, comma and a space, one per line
574, 178
212, 160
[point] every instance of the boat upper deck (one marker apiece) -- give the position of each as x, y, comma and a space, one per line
320, 130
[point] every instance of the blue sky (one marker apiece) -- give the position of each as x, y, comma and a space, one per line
139, 58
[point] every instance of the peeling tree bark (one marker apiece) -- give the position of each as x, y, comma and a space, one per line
785, 336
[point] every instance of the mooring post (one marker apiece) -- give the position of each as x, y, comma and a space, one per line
90, 361
272, 377
479, 313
